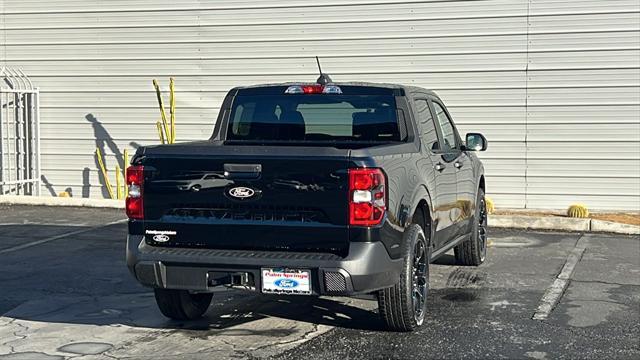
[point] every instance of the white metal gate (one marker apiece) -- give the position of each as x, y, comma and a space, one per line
19, 134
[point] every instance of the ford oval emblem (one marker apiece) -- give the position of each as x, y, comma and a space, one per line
241, 192
161, 238
286, 283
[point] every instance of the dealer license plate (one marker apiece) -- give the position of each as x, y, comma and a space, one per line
286, 281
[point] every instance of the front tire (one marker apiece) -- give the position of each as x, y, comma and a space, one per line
403, 306
473, 251
181, 304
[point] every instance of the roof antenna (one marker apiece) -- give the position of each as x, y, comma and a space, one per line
324, 79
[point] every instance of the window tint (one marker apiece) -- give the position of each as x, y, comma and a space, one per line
448, 134
289, 117
427, 127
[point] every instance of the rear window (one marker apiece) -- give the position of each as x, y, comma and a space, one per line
314, 117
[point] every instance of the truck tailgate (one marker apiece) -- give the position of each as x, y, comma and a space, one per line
247, 197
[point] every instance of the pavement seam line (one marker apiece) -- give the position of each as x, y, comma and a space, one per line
556, 290
43, 224
57, 237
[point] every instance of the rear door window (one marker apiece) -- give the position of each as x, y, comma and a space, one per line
428, 131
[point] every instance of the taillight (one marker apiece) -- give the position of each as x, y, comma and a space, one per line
135, 182
367, 197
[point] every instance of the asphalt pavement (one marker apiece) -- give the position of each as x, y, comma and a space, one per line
65, 292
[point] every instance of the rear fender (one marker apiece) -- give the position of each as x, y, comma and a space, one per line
419, 195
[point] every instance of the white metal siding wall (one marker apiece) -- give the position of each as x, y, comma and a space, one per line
554, 84
583, 97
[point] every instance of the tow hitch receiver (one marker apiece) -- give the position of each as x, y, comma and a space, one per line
231, 279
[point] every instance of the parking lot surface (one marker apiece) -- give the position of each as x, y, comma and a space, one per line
65, 292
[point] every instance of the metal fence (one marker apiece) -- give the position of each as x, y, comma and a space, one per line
19, 134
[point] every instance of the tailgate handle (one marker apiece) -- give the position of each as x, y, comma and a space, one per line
242, 171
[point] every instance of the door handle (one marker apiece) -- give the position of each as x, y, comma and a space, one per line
439, 167
458, 164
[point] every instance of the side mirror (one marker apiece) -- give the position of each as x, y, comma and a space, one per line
475, 142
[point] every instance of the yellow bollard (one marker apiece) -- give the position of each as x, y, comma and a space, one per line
160, 134
118, 183
104, 173
162, 113
172, 110
125, 159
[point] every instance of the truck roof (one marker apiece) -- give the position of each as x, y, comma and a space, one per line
355, 83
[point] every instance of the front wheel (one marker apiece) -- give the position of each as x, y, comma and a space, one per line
473, 251
403, 306
181, 304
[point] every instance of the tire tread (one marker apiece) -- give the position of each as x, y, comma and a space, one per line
468, 252
181, 305
394, 304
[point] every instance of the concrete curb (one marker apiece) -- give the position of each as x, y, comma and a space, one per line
61, 201
561, 224
614, 227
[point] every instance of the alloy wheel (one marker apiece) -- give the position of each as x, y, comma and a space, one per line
420, 281
482, 229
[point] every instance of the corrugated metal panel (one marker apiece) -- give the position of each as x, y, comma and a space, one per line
583, 116
554, 84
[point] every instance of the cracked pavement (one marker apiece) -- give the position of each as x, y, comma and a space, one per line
72, 298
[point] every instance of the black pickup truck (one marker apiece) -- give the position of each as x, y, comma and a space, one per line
309, 189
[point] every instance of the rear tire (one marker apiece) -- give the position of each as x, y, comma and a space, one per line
403, 306
182, 305
473, 251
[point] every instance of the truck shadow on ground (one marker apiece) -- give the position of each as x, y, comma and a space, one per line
234, 313
336, 312
231, 311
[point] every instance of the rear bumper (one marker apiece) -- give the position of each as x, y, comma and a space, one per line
367, 268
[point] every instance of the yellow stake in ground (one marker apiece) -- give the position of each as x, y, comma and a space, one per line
104, 172
165, 125
166, 128
160, 133
172, 110
118, 182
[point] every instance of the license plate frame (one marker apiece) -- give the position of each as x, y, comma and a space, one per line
286, 281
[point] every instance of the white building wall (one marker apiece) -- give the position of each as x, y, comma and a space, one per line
553, 84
